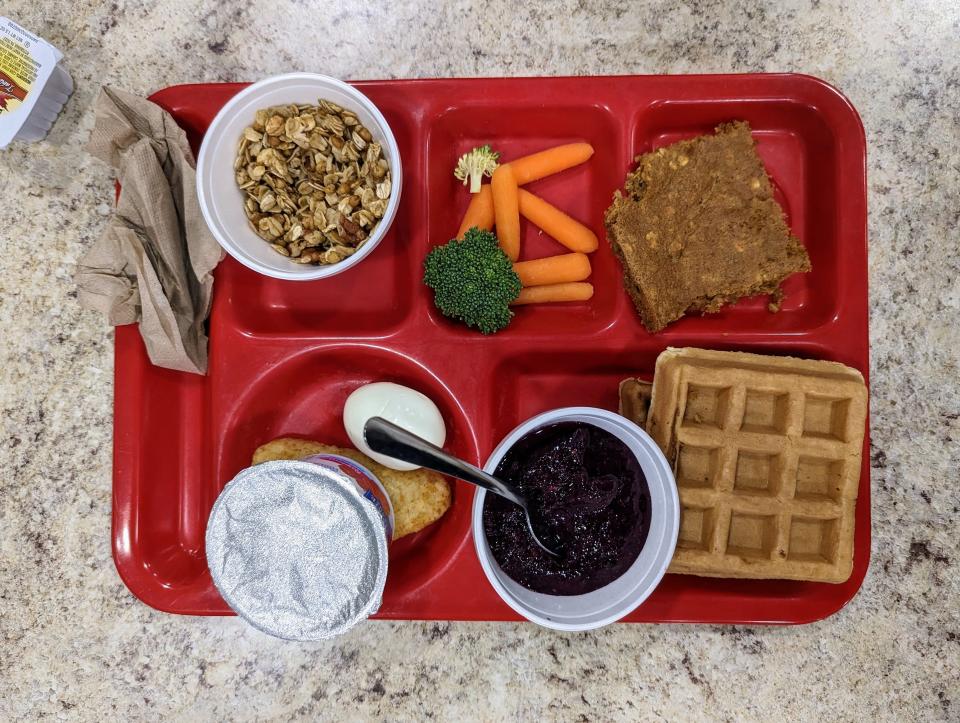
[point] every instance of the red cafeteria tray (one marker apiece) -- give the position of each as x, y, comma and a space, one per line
284, 355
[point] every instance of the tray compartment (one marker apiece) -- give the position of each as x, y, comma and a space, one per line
548, 378
798, 148
343, 306
346, 305
516, 128
300, 392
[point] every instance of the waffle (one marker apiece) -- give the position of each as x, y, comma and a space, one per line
766, 451
635, 400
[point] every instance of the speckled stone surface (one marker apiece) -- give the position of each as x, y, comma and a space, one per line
75, 644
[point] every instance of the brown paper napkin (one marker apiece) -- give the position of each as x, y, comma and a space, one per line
153, 263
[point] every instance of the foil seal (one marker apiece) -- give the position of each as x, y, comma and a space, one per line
296, 550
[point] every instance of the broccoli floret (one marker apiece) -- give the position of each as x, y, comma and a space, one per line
473, 281
476, 164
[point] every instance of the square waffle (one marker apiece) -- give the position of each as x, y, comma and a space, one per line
766, 452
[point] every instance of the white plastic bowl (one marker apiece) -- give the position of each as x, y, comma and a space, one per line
610, 602
222, 201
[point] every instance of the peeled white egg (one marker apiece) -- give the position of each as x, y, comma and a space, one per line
401, 405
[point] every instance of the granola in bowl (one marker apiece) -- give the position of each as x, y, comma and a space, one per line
315, 182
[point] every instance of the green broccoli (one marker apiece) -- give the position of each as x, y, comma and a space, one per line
476, 164
473, 281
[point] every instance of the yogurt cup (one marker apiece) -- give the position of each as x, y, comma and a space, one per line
33, 87
299, 548
619, 598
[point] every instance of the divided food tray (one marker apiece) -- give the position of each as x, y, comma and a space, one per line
284, 355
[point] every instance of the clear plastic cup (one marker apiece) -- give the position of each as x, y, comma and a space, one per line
610, 602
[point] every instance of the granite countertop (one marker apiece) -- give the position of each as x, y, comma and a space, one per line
76, 644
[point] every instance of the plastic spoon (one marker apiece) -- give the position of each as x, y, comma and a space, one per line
389, 439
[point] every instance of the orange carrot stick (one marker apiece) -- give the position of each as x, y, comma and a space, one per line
479, 213
573, 291
505, 210
570, 232
553, 269
553, 160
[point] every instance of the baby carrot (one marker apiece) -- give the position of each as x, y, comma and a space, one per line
479, 213
573, 291
553, 160
571, 233
553, 269
505, 210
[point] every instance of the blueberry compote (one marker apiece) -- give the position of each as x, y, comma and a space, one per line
593, 494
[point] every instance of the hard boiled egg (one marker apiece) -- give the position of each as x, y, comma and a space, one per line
405, 407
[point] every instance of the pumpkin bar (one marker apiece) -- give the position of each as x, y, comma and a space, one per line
697, 227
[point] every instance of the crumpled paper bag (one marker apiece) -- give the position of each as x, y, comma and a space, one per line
153, 263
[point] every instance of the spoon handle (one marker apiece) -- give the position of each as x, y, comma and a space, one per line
387, 438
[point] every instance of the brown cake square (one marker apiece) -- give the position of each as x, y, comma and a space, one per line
697, 227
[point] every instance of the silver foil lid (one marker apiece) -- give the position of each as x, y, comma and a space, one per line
295, 550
